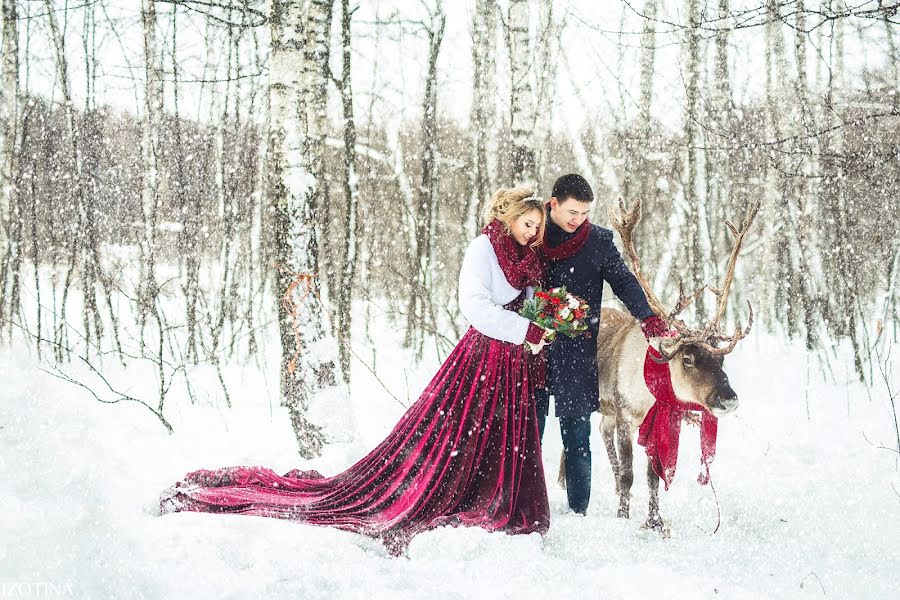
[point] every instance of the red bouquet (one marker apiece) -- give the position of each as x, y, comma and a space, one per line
557, 311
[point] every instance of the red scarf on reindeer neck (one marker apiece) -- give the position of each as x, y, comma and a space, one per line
521, 264
661, 427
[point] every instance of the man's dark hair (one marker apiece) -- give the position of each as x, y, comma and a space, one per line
573, 186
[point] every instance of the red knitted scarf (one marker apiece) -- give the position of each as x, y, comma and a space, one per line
521, 264
661, 427
568, 248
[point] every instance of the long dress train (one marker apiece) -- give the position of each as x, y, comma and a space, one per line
467, 452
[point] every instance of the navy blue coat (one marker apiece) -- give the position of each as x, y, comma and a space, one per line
572, 362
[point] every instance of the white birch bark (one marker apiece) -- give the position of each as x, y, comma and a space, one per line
692, 134
783, 121
299, 40
481, 120
419, 309
150, 148
351, 197
71, 142
648, 57
522, 118
775, 211
803, 202
189, 251
547, 54
893, 58
9, 105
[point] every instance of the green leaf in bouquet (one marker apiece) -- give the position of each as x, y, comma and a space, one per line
531, 308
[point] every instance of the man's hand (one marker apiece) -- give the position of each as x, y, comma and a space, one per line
654, 327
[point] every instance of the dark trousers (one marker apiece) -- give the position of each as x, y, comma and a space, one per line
576, 438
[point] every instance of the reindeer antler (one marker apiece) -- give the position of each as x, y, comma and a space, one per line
624, 222
714, 333
722, 293
739, 334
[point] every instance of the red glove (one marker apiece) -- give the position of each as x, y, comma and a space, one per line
654, 327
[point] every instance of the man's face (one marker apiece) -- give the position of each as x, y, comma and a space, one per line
568, 213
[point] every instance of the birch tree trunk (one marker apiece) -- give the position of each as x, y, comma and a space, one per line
9, 104
234, 187
258, 267
9, 118
842, 306
782, 123
547, 53
227, 170
522, 156
89, 39
719, 165
150, 148
419, 306
189, 206
775, 193
351, 197
296, 94
481, 120
648, 58
893, 57
695, 260
84, 244
641, 173
803, 202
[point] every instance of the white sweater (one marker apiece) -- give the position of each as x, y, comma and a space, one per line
483, 290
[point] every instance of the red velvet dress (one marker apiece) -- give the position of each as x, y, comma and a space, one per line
466, 453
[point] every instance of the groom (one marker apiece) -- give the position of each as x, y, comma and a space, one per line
581, 256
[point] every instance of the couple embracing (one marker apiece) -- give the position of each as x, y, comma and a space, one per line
468, 452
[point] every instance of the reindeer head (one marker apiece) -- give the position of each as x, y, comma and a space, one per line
697, 376
694, 356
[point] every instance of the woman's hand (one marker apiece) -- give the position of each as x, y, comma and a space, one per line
535, 348
536, 338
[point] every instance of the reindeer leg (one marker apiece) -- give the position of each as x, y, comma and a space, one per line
654, 520
561, 477
626, 466
608, 431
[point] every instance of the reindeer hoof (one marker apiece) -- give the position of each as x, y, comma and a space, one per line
656, 523
624, 511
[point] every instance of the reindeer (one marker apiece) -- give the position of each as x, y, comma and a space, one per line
694, 356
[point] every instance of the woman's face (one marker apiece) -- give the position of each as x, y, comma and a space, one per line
526, 227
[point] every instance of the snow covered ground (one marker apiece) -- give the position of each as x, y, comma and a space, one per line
810, 507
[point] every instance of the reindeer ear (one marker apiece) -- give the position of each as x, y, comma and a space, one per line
687, 359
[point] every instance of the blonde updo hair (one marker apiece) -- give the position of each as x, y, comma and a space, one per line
508, 204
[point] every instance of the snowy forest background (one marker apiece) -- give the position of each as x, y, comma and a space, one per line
240, 223
171, 171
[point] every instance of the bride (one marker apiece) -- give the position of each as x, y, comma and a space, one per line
467, 452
